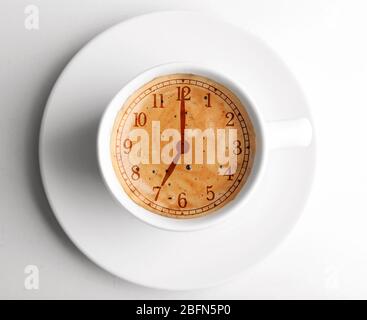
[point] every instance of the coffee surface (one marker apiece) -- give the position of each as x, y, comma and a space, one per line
182, 146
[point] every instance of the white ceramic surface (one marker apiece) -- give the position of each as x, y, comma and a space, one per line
100, 228
269, 135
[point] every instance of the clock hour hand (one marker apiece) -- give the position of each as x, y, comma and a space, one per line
170, 169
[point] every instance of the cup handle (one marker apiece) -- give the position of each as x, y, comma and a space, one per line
289, 133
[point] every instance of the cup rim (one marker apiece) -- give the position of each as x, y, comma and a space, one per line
105, 162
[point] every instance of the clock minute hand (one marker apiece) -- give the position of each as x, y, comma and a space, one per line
183, 96
182, 124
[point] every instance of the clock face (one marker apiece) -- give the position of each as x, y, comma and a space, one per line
182, 146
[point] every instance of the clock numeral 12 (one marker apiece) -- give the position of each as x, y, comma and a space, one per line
183, 92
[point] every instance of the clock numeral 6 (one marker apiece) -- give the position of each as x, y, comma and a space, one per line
135, 173
210, 194
155, 99
182, 202
140, 119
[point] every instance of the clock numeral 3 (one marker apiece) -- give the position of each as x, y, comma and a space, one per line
140, 119
155, 99
210, 194
237, 145
135, 173
182, 202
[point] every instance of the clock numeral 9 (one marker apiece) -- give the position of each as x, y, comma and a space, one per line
155, 105
182, 202
135, 173
128, 144
210, 194
140, 119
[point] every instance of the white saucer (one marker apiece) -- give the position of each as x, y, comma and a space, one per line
105, 232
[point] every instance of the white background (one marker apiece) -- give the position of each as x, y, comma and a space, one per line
324, 43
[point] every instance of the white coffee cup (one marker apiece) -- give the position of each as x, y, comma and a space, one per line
269, 135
